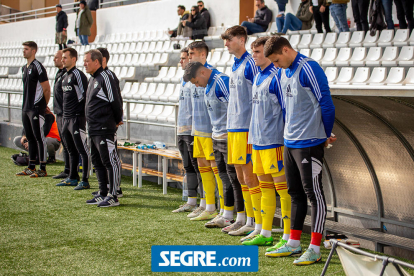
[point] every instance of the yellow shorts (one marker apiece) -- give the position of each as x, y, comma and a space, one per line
238, 151
203, 148
268, 161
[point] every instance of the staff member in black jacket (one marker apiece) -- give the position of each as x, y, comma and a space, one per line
104, 114
58, 110
61, 26
197, 23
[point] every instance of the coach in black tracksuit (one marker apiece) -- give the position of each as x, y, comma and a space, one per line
104, 114
105, 59
58, 110
36, 95
74, 87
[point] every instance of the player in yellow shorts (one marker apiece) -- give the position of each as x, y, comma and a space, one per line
203, 144
266, 135
238, 122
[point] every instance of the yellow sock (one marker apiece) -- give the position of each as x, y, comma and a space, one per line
219, 186
247, 201
285, 203
256, 196
209, 184
268, 204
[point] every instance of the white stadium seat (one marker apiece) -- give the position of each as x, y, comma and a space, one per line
385, 39
158, 109
343, 57
396, 76
141, 91
171, 73
167, 113
329, 57
361, 77
158, 92
169, 91
358, 56
389, 58
409, 80
345, 76
148, 108
317, 41
373, 57
343, 40
331, 74
406, 57
378, 76
317, 54
401, 37
371, 41
176, 95
150, 91
134, 90
137, 110
305, 41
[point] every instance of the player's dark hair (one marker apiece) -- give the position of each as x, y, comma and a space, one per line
199, 45
104, 53
275, 45
235, 31
30, 44
190, 71
261, 41
72, 52
181, 7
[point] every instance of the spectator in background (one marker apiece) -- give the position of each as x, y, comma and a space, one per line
197, 24
320, 10
204, 13
338, 12
261, 20
84, 22
52, 137
302, 21
360, 10
184, 15
404, 11
61, 25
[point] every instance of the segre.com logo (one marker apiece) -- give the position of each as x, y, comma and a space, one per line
204, 258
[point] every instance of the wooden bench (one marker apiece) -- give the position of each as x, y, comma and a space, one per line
380, 239
163, 176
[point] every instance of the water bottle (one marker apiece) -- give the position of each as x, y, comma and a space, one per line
159, 145
151, 146
142, 147
185, 188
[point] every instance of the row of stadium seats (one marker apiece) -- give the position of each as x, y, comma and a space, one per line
364, 78
152, 113
360, 56
151, 91
12, 61
351, 39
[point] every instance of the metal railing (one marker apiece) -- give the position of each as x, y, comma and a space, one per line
385, 260
128, 121
127, 118
70, 7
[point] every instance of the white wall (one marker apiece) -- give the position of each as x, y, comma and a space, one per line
161, 15
34, 29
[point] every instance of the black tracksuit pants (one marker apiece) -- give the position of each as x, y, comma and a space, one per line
33, 123
303, 169
233, 195
106, 163
74, 135
59, 123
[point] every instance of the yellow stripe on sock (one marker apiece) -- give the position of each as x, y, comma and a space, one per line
256, 196
219, 186
209, 185
247, 201
268, 204
285, 203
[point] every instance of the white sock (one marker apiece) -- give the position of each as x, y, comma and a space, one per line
228, 214
211, 207
316, 248
250, 221
258, 227
293, 243
221, 211
241, 217
203, 203
192, 200
266, 233
286, 237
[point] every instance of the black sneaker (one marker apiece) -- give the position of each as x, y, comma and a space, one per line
51, 160
110, 201
96, 200
95, 193
61, 175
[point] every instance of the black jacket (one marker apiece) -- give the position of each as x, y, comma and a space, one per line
58, 93
61, 21
103, 106
74, 85
198, 24
206, 14
263, 17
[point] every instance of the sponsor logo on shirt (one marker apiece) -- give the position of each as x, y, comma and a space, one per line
67, 88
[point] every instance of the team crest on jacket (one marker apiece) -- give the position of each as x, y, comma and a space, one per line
95, 84
30, 71
69, 79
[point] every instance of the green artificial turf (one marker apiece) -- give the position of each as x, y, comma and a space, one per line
49, 230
